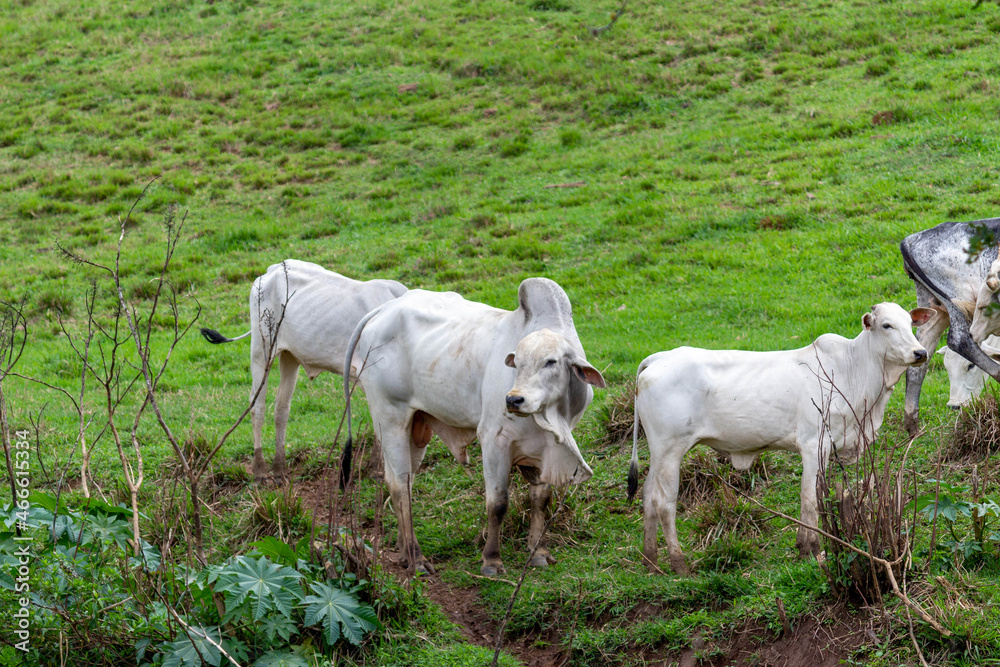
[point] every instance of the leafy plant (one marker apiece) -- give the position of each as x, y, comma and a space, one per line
947, 503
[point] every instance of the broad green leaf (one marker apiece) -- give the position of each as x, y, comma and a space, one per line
150, 559
281, 659
339, 611
267, 586
276, 550
184, 651
278, 626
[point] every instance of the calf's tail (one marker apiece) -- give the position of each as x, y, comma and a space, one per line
214, 337
633, 468
346, 459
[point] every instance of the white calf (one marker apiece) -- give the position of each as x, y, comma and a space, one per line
830, 395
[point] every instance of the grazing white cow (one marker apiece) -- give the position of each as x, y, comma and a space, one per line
830, 395
965, 379
963, 294
317, 309
518, 380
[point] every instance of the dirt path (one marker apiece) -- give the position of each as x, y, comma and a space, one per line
821, 640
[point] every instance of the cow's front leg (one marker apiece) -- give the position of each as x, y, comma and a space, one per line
496, 470
807, 540
540, 495
928, 335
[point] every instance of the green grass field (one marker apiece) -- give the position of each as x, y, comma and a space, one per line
742, 176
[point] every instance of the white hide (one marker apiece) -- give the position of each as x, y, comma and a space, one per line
517, 380
986, 317
317, 310
745, 403
965, 379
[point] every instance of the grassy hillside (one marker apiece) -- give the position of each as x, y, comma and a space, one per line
741, 175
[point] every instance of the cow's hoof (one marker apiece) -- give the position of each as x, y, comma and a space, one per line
539, 561
492, 569
424, 567
679, 565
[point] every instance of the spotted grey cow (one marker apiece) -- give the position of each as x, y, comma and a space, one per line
317, 309
518, 380
959, 291
825, 397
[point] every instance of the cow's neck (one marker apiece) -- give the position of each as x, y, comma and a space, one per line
865, 379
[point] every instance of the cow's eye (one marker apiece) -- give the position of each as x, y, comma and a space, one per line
970, 367
886, 326
550, 362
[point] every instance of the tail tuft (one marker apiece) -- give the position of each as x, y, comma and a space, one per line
345, 465
213, 336
633, 481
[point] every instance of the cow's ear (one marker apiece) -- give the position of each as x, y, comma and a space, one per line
922, 316
589, 374
509, 361
868, 321
941, 351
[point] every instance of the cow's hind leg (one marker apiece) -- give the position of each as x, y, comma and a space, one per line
289, 369
540, 495
928, 335
258, 398
402, 458
496, 471
666, 481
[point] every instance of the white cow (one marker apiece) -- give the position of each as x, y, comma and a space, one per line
317, 309
965, 379
830, 394
517, 380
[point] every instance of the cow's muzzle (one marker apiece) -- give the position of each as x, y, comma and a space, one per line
514, 404
920, 355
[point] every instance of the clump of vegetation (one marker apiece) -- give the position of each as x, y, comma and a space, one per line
976, 436
726, 516
617, 416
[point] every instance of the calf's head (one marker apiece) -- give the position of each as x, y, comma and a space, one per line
986, 313
545, 362
891, 329
965, 379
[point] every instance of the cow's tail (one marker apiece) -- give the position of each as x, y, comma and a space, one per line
346, 459
214, 337
633, 467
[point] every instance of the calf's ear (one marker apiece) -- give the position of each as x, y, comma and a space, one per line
941, 351
922, 316
588, 374
868, 321
509, 361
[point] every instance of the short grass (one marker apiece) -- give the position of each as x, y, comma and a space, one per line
747, 172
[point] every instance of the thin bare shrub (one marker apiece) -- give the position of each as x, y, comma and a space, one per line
864, 503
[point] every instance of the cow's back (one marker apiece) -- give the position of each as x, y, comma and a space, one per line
938, 258
730, 399
432, 351
323, 308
